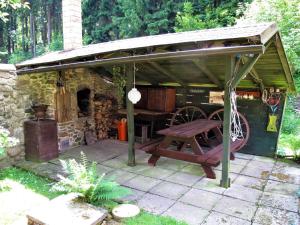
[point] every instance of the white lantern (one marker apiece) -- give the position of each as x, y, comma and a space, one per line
134, 95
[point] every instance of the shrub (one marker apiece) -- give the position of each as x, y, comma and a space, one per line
83, 179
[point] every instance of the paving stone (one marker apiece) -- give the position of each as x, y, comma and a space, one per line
156, 172
279, 201
264, 159
240, 161
216, 218
282, 188
193, 169
271, 216
236, 207
138, 168
103, 169
213, 185
243, 156
169, 190
171, 164
154, 203
115, 163
183, 178
250, 182
234, 168
142, 183
121, 176
262, 165
243, 193
286, 173
204, 199
133, 197
256, 172
188, 213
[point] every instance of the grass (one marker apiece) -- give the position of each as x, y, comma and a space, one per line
11, 179
37, 184
146, 219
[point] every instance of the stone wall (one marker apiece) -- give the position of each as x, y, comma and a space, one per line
42, 88
12, 113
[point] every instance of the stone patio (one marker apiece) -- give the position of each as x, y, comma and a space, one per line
263, 190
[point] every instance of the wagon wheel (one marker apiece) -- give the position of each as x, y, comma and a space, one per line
187, 114
218, 115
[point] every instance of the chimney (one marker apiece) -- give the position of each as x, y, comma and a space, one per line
72, 24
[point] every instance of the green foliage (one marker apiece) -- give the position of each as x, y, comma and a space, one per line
146, 219
19, 56
14, 4
187, 21
56, 43
31, 181
83, 179
119, 81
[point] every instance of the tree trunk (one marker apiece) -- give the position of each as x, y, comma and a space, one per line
49, 27
32, 34
23, 33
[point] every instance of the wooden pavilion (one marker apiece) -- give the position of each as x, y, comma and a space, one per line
250, 57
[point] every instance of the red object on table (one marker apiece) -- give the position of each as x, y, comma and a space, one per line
122, 130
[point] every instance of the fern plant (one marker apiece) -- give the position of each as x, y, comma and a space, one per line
82, 178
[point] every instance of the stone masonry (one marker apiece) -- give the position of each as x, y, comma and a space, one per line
12, 105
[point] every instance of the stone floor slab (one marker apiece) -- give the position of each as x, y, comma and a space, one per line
171, 164
262, 173
286, 173
216, 218
142, 183
133, 197
263, 159
240, 161
234, 168
243, 193
243, 156
236, 207
279, 201
183, 178
154, 203
156, 172
250, 182
121, 176
271, 216
115, 163
188, 213
204, 199
103, 169
282, 188
193, 169
170, 190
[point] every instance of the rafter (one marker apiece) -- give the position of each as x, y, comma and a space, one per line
244, 70
166, 73
203, 68
255, 76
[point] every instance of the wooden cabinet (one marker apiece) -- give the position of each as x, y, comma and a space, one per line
40, 140
142, 104
161, 99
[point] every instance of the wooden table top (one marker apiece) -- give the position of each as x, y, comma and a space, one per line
191, 129
143, 112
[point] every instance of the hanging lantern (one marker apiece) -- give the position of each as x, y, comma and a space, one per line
134, 95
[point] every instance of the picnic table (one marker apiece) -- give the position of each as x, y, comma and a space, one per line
187, 135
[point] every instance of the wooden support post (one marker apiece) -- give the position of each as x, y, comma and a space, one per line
130, 116
230, 63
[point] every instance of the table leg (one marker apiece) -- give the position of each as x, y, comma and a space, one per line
151, 129
164, 144
209, 172
196, 147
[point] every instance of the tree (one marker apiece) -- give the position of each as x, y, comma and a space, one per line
187, 21
5, 5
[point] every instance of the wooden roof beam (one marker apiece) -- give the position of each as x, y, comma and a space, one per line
212, 77
255, 76
166, 73
244, 70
